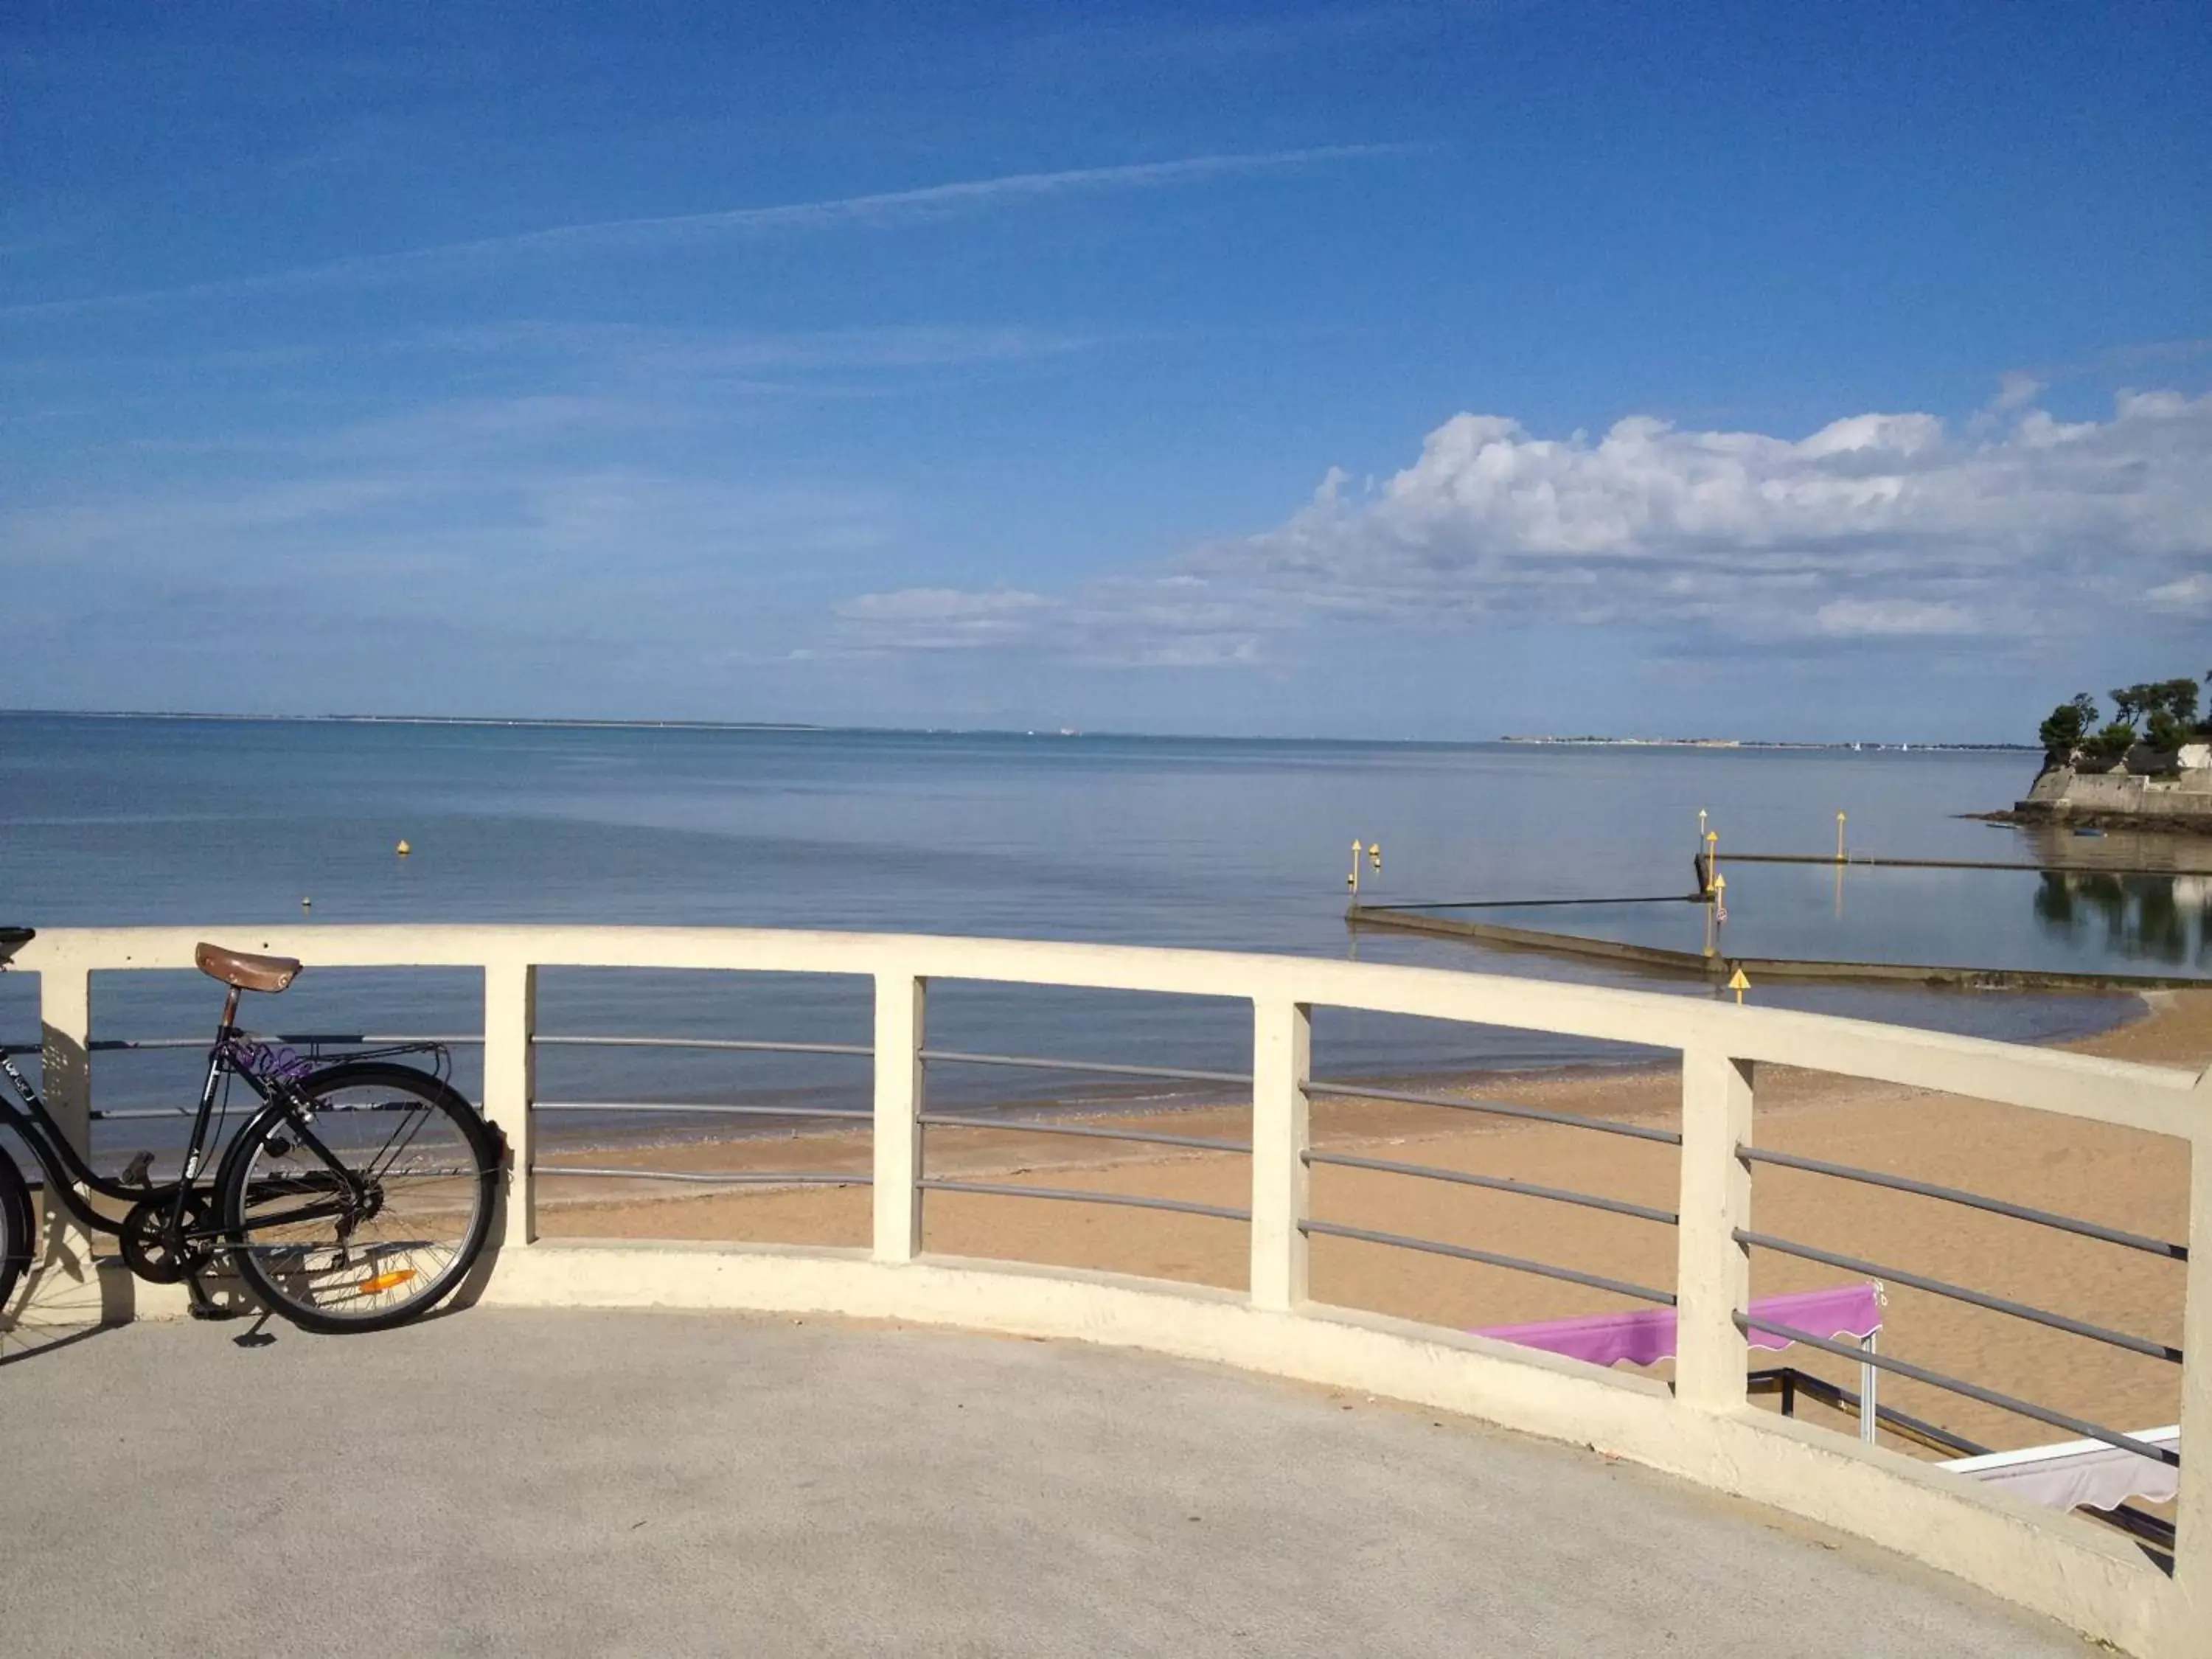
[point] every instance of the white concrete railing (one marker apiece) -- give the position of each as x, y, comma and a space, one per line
1703, 1428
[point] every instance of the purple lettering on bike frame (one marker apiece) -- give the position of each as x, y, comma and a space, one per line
270, 1065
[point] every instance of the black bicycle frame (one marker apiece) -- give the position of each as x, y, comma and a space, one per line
66, 1168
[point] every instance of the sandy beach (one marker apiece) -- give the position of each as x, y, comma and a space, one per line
2119, 1177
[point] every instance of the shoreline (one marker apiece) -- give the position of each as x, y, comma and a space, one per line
2193, 824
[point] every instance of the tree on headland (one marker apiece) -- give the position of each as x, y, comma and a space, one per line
2062, 734
2167, 710
2162, 715
2111, 744
2171, 721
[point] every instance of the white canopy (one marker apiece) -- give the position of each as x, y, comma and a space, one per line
2077, 1474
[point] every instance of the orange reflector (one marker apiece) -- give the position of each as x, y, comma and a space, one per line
384, 1281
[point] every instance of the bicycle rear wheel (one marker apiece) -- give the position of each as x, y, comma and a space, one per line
363, 1202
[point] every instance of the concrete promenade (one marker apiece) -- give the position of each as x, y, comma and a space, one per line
655, 1483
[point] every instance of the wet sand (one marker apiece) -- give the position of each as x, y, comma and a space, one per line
2119, 1177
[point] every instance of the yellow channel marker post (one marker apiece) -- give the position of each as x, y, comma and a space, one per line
1739, 984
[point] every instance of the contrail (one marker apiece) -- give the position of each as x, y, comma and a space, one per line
877, 207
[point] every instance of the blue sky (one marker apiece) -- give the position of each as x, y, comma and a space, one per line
1400, 370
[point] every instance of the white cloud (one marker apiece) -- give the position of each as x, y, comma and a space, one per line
942, 619
1875, 618
2015, 389
2192, 592
1875, 526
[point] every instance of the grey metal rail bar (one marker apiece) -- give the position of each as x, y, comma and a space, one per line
725, 1178
1495, 1108
2145, 1528
1531, 904
2057, 1419
738, 1045
859, 1114
1518, 1264
997, 1189
1173, 1073
2056, 1322
1204, 1143
110, 1045
674, 1109
107, 1045
1971, 1200
1495, 1184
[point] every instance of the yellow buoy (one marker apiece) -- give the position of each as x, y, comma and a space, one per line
404, 849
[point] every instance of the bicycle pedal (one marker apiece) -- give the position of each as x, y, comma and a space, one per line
200, 1305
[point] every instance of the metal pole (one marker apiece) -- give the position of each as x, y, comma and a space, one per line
1869, 1412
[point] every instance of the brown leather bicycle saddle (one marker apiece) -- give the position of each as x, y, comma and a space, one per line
246, 973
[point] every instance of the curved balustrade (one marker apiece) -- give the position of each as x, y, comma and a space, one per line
1702, 1427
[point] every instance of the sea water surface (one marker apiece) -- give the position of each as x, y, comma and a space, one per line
1235, 845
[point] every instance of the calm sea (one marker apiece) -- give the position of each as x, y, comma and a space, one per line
1229, 844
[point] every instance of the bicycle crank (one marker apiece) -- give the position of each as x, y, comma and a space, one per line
152, 1253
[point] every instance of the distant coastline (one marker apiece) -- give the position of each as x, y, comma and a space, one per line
414, 720
1767, 743
553, 723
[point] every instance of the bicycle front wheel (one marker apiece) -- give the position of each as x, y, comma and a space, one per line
363, 1201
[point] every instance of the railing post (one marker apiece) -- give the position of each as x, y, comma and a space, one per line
2192, 1557
65, 1060
65, 1082
902, 1004
510, 1075
1712, 1274
1282, 1050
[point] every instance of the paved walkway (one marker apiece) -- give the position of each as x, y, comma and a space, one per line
663, 1483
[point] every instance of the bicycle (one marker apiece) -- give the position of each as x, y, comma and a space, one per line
355, 1198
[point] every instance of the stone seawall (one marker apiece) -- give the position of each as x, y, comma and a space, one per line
2181, 800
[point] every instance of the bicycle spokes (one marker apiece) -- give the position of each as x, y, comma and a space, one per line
366, 1200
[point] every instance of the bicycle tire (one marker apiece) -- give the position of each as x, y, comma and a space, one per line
15, 1226
327, 1194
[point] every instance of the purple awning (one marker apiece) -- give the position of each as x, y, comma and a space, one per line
1646, 1336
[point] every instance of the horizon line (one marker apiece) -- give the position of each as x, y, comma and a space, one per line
651, 723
